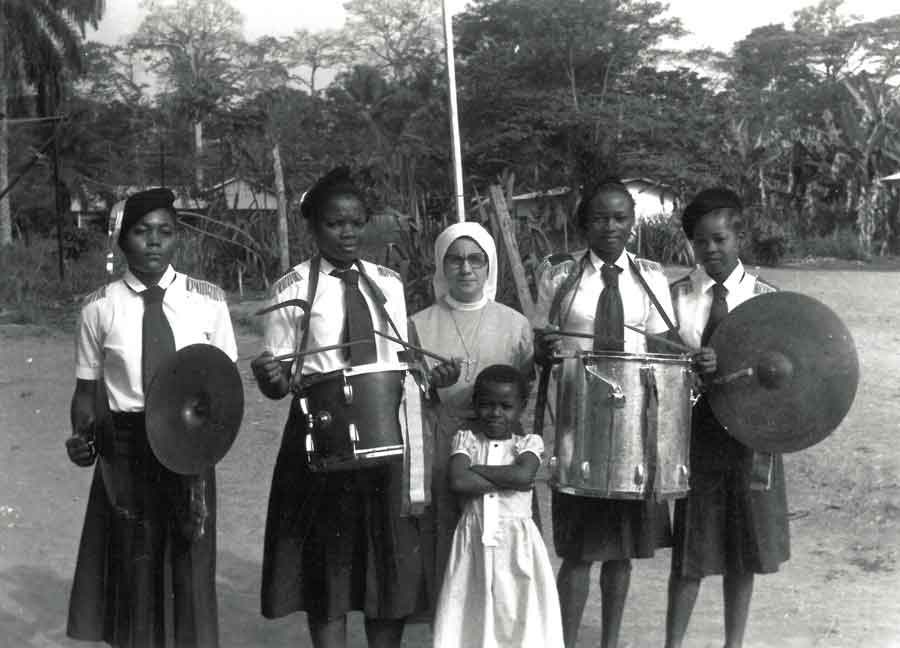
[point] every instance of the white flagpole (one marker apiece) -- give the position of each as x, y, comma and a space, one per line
454, 114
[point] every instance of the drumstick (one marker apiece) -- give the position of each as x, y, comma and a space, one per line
330, 347
659, 338
302, 303
413, 347
663, 340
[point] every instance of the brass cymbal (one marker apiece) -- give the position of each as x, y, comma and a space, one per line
194, 407
787, 372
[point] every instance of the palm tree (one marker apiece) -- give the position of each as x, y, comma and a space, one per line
39, 41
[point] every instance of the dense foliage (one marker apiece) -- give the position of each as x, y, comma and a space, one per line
803, 119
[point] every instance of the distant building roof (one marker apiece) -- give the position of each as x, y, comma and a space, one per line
242, 195
97, 204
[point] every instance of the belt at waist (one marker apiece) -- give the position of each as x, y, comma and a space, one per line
126, 436
128, 420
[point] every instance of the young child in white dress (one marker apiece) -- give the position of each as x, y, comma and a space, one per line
499, 590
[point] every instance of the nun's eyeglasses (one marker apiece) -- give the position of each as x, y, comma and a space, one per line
476, 261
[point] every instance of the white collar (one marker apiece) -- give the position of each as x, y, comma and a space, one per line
138, 286
622, 262
327, 267
732, 283
466, 306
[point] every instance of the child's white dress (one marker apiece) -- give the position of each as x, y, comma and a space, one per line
499, 590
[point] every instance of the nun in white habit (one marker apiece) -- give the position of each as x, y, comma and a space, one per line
464, 323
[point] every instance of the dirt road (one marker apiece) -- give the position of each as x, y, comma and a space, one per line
839, 589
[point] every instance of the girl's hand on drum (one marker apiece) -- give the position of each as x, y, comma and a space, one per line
547, 345
705, 361
445, 374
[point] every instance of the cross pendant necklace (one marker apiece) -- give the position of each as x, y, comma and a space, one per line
470, 364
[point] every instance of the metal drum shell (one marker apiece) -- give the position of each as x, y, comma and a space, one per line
371, 406
603, 418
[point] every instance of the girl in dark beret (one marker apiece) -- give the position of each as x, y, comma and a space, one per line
146, 566
733, 521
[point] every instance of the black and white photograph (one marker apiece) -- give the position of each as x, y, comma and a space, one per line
449, 323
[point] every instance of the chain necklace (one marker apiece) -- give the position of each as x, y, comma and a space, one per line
470, 363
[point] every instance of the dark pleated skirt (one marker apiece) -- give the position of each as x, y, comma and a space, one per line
336, 542
138, 582
591, 529
724, 525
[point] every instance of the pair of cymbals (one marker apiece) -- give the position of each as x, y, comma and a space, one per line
194, 406
787, 372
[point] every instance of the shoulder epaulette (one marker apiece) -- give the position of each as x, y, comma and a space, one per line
762, 287
205, 288
97, 295
682, 285
289, 279
387, 272
646, 265
556, 265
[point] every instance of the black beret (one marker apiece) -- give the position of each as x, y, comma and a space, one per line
142, 203
706, 201
337, 181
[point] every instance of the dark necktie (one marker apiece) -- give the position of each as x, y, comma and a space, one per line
157, 341
358, 322
609, 318
717, 312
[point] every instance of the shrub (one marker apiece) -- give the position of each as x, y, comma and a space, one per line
661, 239
30, 289
767, 238
843, 243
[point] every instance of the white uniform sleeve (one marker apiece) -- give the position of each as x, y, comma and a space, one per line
89, 344
463, 443
281, 326
660, 287
223, 331
530, 443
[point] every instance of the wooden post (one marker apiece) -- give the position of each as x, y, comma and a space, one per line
491, 218
283, 245
512, 250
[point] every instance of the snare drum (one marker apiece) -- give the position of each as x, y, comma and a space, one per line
352, 417
623, 426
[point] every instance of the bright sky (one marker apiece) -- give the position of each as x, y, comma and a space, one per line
714, 23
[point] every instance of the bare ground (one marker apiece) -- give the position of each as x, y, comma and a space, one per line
839, 589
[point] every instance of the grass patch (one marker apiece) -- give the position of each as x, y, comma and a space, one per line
31, 292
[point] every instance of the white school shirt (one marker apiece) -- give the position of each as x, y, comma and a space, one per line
283, 327
692, 296
638, 308
110, 330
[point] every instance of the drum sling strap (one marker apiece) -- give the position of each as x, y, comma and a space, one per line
650, 422
314, 266
569, 284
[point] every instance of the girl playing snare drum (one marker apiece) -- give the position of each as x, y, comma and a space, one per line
337, 541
